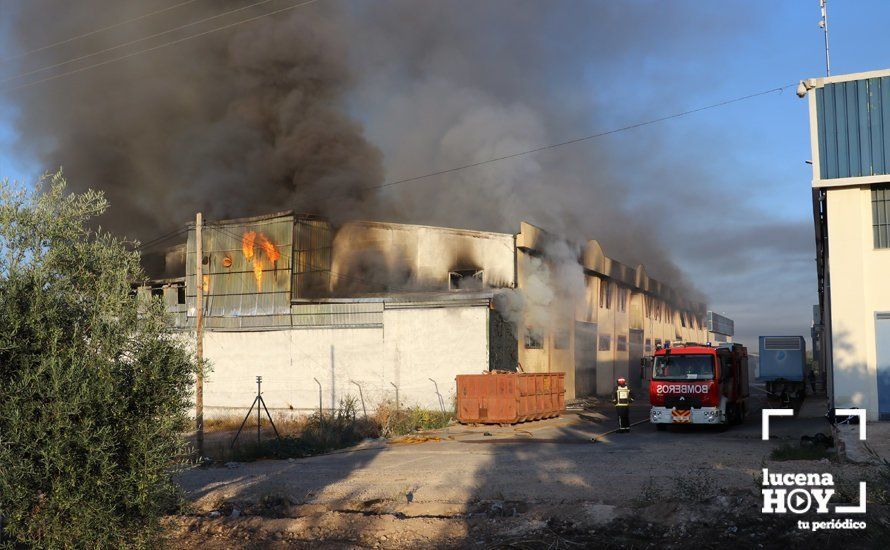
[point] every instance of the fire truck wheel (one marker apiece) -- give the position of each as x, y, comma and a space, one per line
661, 427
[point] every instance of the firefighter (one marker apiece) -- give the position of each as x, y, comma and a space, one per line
622, 398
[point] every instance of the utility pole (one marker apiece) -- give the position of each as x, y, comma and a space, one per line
823, 23
199, 333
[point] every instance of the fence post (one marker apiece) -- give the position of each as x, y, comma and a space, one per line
439, 395
319, 397
397, 395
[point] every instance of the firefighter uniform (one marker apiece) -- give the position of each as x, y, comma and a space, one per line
622, 397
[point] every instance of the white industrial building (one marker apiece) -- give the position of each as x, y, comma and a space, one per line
369, 308
850, 139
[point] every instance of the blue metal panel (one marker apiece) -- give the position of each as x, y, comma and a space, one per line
875, 125
830, 133
865, 166
853, 122
844, 111
885, 120
851, 146
820, 133
882, 337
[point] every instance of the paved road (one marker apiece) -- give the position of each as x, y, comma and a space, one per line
545, 461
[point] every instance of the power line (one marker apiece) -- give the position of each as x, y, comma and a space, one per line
97, 31
580, 139
160, 46
162, 238
135, 41
560, 144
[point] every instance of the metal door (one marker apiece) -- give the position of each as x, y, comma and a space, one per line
585, 359
882, 337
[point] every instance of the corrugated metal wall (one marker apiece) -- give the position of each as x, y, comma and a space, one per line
313, 249
334, 315
853, 119
245, 286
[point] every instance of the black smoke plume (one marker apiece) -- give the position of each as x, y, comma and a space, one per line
237, 122
273, 114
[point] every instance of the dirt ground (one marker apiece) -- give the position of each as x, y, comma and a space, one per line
537, 484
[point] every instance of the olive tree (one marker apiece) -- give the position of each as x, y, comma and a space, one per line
94, 385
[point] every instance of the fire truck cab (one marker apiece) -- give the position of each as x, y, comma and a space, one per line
699, 384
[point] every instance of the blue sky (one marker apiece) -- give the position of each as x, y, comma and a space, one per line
725, 193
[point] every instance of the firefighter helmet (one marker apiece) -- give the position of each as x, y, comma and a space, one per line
622, 381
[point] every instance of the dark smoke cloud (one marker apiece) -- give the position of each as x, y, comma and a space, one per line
239, 122
453, 83
269, 115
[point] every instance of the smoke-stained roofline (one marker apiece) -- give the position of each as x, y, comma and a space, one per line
251, 219
530, 238
594, 260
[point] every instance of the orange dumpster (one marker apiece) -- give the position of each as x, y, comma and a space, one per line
509, 397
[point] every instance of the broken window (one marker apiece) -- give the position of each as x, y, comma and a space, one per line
621, 343
622, 299
465, 279
534, 339
605, 294
605, 342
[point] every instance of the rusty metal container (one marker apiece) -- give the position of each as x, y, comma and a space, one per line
509, 397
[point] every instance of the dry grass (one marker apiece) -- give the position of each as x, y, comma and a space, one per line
287, 423
315, 433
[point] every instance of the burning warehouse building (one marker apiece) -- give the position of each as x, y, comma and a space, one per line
375, 309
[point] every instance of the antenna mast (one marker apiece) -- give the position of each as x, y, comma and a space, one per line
823, 23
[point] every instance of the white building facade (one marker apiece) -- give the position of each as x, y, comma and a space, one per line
850, 140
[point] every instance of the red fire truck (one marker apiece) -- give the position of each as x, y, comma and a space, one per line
699, 384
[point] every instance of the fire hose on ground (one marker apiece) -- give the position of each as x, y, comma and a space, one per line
595, 438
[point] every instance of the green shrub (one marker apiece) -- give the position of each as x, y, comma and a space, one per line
413, 419
94, 388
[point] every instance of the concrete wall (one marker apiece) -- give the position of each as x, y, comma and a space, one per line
859, 287
413, 345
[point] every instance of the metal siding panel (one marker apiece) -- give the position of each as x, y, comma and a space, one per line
852, 98
820, 132
865, 163
831, 151
875, 110
885, 121
841, 113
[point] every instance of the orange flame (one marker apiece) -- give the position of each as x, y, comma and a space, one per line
249, 242
271, 252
